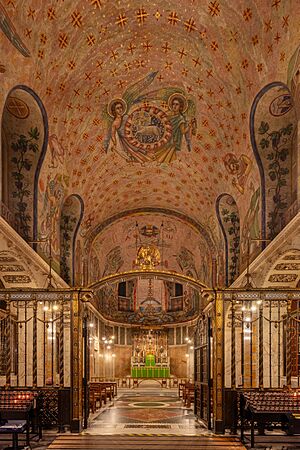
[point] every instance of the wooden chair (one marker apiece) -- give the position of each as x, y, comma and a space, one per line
180, 389
98, 394
188, 394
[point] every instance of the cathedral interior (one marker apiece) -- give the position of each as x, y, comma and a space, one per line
150, 224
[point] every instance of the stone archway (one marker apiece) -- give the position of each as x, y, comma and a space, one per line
285, 270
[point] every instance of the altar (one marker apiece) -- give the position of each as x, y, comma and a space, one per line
149, 369
150, 356
150, 372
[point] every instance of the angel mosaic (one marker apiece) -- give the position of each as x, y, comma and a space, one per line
150, 126
240, 168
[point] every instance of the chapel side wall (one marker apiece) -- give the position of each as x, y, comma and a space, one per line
273, 345
179, 361
122, 360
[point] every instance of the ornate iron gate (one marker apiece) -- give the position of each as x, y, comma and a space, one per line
262, 339
202, 364
41, 349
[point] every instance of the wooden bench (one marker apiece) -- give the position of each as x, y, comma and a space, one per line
261, 409
180, 389
17, 407
110, 389
188, 394
114, 386
98, 394
15, 427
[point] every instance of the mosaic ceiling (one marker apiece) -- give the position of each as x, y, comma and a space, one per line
112, 76
181, 248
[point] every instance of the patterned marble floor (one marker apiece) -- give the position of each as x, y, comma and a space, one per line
146, 411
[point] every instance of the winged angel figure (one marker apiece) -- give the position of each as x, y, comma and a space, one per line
180, 117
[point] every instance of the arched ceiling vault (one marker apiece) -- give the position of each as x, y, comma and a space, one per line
79, 55
205, 232
146, 274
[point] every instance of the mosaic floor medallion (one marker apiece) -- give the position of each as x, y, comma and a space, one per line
149, 405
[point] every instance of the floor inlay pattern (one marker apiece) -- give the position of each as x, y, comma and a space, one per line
147, 426
158, 409
142, 442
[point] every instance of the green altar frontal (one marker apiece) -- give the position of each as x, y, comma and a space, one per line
150, 372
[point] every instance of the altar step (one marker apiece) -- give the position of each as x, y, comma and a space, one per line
144, 442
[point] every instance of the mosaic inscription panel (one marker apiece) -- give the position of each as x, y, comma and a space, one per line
283, 277
17, 279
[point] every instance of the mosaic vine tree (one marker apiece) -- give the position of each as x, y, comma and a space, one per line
70, 219
273, 128
24, 137
229, 220
275, 146
22, 149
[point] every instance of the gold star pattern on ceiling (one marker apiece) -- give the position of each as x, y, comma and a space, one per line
86, 53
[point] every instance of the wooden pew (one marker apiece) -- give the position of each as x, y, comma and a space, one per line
188, 394
109, 387
98, 394
17, 407
261, 408
180, 389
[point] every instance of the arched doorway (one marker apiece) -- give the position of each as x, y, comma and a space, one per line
141, 329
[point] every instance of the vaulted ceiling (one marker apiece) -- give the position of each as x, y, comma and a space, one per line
78, 56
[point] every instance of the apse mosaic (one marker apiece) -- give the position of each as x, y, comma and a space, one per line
153, 125
148, 302
181, 248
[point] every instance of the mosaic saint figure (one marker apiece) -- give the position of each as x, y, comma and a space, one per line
117, 110
240, 168
117, 115
140, 130
117, 140
57, 151
181, 128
